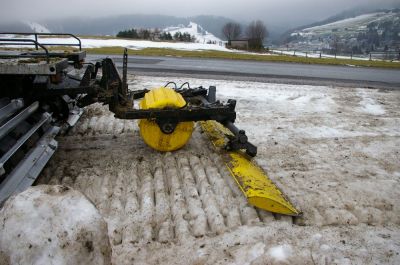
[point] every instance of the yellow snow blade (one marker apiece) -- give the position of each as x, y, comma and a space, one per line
259, 190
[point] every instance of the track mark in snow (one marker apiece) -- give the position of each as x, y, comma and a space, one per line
162, 211
198, 220
98, 120
226, 201
214, 216
187, 202
146, 201
132, 207
177, 200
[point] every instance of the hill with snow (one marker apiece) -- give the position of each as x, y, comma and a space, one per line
194, 29
358, 23
36, 27
376, 31
111, 25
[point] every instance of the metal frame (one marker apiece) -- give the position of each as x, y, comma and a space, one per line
112, 89
201, 105
79, 44
23, 42
76, 57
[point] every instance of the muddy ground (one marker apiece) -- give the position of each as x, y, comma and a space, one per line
334, 151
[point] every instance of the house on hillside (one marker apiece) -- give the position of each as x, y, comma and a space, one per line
244, 44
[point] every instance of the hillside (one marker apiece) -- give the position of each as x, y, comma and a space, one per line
113, 24
375, 31
201, 35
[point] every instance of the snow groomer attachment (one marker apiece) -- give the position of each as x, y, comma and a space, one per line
44, 91
166, 120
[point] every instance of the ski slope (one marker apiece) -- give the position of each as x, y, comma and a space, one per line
194, 29
36, 27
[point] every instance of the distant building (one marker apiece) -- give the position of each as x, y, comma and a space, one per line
239, 44
244, 44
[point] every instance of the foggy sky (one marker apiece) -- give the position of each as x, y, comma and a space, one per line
292, 12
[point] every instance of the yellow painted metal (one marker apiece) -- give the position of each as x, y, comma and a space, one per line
251, 179
161, 98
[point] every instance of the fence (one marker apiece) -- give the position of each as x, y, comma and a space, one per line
384, 55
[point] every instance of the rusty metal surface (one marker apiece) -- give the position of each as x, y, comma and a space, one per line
32, 66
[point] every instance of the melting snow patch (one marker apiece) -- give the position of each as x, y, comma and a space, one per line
280, 253
369, 105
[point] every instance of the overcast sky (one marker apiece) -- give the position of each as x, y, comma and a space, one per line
270, 11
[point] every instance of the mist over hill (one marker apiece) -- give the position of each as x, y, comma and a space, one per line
110, 25
113, 24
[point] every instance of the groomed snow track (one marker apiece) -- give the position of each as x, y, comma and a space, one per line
332, 150
146, 195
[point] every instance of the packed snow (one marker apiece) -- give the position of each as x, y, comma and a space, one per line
337, 163
52, 225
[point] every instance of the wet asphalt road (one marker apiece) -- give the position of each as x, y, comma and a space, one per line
362, 76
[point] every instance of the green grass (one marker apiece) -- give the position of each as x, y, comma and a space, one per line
233, 56
242, 56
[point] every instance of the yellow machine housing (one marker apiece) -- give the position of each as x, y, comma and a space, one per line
161, 98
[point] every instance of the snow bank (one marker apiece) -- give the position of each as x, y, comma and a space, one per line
52, 225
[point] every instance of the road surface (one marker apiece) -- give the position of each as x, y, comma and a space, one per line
234, 69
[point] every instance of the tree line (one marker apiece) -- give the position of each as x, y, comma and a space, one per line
255, 33
156, 34
143, 34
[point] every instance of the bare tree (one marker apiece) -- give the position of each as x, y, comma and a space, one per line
335, 45
256, 32
231, 31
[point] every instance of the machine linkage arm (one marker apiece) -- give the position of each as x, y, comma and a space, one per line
201, 104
